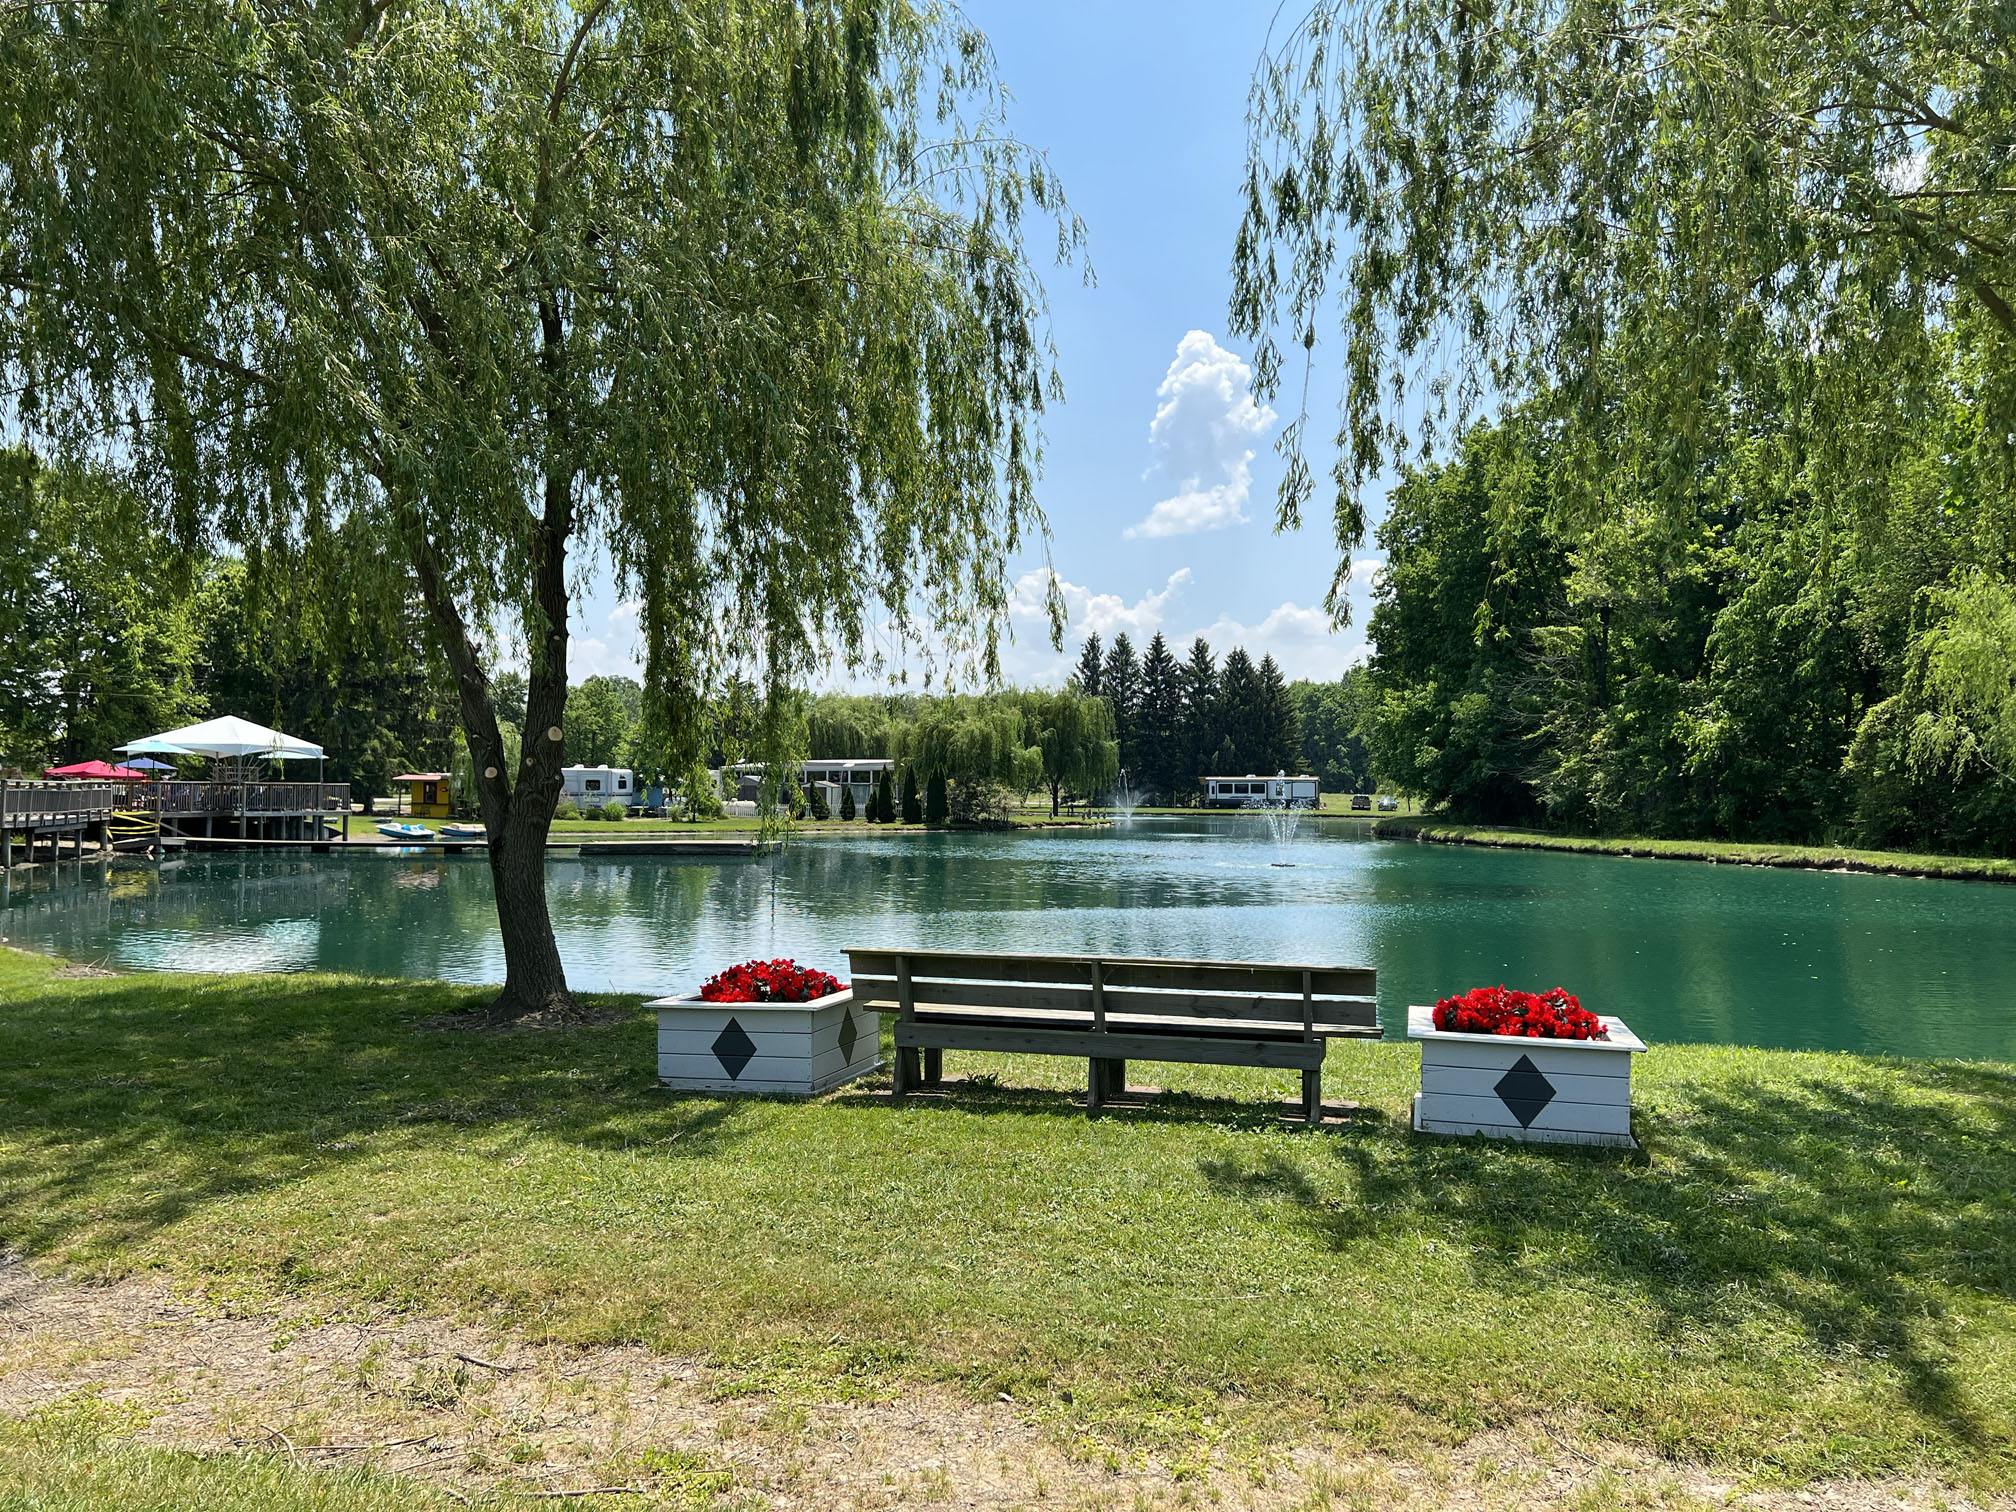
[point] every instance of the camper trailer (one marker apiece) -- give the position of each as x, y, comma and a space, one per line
1252, 791
597, 785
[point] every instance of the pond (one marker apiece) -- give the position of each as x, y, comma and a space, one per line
1683, 951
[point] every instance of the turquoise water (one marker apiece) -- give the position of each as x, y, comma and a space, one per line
1680, 950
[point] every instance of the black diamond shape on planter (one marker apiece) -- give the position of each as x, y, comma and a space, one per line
1524, 1091
848, 1035
734, 1049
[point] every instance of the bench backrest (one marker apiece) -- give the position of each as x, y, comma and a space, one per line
1074, 991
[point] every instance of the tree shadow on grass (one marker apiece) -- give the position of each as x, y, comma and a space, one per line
127, 1104
1854, 1207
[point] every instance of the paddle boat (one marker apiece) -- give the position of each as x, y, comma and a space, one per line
464, 832
405, 832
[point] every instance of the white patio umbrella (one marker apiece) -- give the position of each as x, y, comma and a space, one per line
228, 736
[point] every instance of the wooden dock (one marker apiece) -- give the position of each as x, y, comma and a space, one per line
48, 811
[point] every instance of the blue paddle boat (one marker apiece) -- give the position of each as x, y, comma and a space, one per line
405, 832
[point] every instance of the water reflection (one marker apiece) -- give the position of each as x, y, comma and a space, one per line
1684, 951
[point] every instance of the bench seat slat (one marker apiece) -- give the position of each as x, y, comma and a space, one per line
1231, 1028
1296, 1054
880, 993
1121, 971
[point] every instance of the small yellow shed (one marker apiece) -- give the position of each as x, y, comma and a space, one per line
427, 794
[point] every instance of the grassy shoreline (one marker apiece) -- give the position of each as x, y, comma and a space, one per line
1813, 1274
1720, 852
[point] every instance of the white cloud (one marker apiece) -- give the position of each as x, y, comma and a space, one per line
1299, 638
1102, 614
626, 611
1201, 437
589, 656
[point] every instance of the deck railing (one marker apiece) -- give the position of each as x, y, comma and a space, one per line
251, 798
48, 803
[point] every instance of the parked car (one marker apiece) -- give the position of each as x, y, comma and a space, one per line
1361, 800
1388, 804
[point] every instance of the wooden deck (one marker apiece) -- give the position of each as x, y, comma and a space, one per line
49, 811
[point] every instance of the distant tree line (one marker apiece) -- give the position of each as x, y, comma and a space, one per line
1176, 722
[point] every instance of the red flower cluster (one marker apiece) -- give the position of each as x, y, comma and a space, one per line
1553, 1014
777, 981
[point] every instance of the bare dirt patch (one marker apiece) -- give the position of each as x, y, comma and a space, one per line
474, 1412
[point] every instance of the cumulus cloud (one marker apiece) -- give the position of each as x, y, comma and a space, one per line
1202, 438
1103, 614
1299, 637
590, 656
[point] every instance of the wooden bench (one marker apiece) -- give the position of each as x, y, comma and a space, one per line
1112, 1010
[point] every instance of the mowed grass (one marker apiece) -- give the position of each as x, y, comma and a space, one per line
1733, 852
1810, 1275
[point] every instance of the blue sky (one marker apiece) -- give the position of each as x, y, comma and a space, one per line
1160, 519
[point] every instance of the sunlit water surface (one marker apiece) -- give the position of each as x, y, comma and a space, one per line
1681, 950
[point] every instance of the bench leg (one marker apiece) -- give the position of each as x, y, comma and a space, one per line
1105, 1079
1312, 1095
934, 1067
904, 1074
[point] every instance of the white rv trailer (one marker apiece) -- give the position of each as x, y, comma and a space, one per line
1254, 791
598, 785
831, 775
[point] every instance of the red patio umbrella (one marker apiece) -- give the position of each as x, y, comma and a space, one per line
98, 769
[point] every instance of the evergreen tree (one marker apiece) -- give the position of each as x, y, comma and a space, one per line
1159, 719
815, 801
934, 801
885, 799
1121, 686
1279, 735
847, 800
913, 810
1241, 720
1091, 673
1197, 734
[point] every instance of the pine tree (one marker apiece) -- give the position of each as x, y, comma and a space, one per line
913, 811
934, 801
885, 800
847, 800
1281, 749
1240, 714
815, 801
1120, 684
1091, 673
1197, 733
1159, 718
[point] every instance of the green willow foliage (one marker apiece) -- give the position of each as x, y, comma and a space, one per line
732, 291
1705, 242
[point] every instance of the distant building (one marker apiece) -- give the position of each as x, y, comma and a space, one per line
599, 784
830, 774
1254, 791
427, 794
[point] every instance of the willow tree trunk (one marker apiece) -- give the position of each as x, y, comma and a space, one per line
517, 807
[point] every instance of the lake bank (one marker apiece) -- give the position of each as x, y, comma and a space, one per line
1721, 852
1809, 1276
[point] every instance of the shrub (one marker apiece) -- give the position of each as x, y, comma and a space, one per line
815, 800
934, 799
913, 809
614, 811
885, 799
565, 809
847, 801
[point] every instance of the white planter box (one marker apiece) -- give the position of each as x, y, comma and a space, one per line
1545, 1090
802, 1048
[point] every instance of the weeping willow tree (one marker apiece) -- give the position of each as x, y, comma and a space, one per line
735, 292
1701, 240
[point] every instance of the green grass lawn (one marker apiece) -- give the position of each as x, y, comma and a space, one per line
1743, 853
1812, 1274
